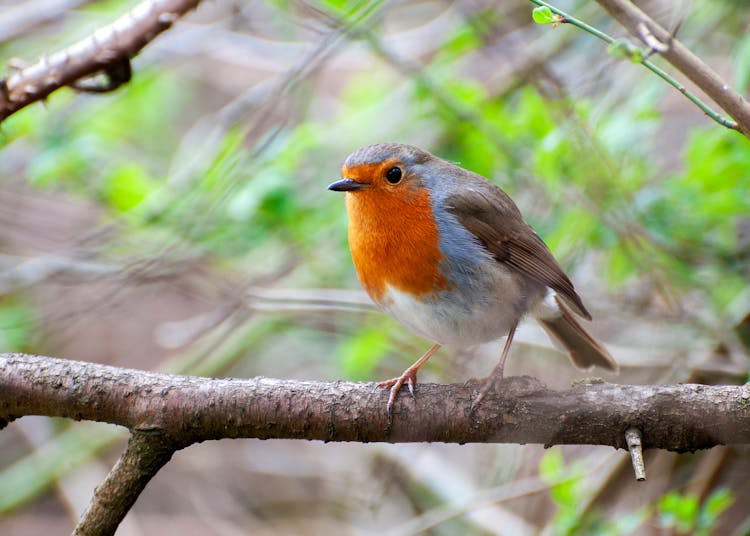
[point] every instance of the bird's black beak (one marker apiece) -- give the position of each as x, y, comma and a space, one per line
346, 185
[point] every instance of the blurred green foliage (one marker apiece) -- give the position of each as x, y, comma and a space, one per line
586, 171
360, 354
16, 325
566, 493
685, 514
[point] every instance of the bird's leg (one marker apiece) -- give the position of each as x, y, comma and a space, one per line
409, 377
497, 373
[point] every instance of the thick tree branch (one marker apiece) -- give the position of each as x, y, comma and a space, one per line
167, 412
109, 50
640, 25
521, 410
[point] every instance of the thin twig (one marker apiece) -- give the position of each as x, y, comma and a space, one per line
633, 438
662, 39
682, 59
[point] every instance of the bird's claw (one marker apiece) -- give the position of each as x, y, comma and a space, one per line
409, 377
480, 397
411, 383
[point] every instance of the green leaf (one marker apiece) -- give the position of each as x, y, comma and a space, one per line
718, 501
679, 511
543, 15
127, 186
715, 505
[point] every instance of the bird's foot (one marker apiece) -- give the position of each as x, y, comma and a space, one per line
409, 377
489, 383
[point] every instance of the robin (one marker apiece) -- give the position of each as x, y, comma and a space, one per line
448, 254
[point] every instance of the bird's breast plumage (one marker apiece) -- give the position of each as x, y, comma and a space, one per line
395, 244
429, 272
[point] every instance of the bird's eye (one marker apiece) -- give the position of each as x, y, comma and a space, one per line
393, 175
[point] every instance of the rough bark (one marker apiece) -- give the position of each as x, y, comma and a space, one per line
166, 412
147, 452
187, 409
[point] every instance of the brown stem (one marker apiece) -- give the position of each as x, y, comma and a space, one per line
641, 25
146, 453
106, 51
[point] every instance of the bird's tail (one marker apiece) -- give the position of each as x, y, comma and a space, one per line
584, 351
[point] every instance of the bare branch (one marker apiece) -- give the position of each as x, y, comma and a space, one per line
641, 25
520, 410
167, 412
109, 50
146, 453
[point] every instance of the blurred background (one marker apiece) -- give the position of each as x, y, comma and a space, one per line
182, 224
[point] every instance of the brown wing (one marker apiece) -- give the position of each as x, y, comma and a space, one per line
490, 215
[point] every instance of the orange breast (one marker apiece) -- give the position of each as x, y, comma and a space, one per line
394, 242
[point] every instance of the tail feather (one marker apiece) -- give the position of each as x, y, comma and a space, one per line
583, 349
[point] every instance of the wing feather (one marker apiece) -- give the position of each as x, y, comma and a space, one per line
491, 215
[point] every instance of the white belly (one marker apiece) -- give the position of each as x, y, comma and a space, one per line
460, 318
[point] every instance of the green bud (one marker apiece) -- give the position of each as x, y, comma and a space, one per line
543, 15
624, 50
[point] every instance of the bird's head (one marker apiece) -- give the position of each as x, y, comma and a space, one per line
383, 171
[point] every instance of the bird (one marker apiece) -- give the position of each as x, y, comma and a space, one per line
448, 254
